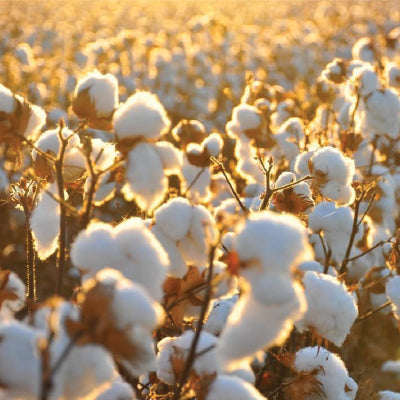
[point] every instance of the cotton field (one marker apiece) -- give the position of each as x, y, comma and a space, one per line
200, 200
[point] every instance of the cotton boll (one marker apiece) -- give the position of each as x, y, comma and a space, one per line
392, 73
226, 387
290, 138
103, 154
171, 157
363, 50
331, 308
117, 390
105, 189
391, 366
388, 395
146, 182
45, 222
174, 218
218, 315
213, 143
300, 166
244, 118
393, 293
196, 181
36, 121
6, 100
18, 352
11, 283
103, 95
332, 373
262, 325
142, 115
367, 79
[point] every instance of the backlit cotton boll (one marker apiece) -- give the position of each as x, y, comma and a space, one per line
19, 118
12, 294
393, 293
95, 99
331, 308
130, 247
331, 373
142, 115
333, 174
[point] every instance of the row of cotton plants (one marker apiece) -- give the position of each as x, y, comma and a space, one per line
193, 246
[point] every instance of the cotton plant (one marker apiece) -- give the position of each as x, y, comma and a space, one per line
331, 311
12, 294
332, 174
393, 293
388, 395
247, 126
196, 167
19, 119
130, 247
138, 124
124, 323
266, 266
329, 375
186, 232
95, 99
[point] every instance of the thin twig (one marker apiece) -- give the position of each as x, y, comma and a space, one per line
382, 242
193, 181
268, 190
369, 313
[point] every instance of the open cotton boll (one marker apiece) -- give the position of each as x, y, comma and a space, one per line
332, 373
142, 115
6, 100
391, 366
331, 308
88, 366
173, 218
117, 390
366, 78
103, 95
45, 222
103, 154
262, 325
12, 287
393, 293
388, 395
392, 74
196, 181
36, 121
213, 143
244, 118
263, 242
363, 50
173, 351
218, 315
171, 157
227, 387
130, 247
146, 182
300, 165
379, 114
290, 138
18, 352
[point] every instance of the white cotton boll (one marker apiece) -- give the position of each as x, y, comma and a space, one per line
15, 286
341, 194
218, 315
311, 266
105, 190
117, 390
388, 395
367, 79
243, 371
264, 238
177, 265
146, 182
391, 366
7, 101
379, 114
363, 50
392, 74
247, 165
191, 252
213, 143
244, 117
300, 165
290, 138
331, 308
393, 293
200, 189
103, 91
171, 157
103, 154
284, 179
174, 218
4, 181
144, 258
262, 326
18, 352
45, 222
332, 373
226, 387
88, 366
142, 115
37, 119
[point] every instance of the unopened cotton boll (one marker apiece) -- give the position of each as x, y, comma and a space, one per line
331, 308
227, 387
332, 373
142, 115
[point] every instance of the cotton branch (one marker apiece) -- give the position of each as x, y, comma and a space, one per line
223, 170
192, 352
